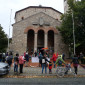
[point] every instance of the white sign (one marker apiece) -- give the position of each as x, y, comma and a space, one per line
35, 60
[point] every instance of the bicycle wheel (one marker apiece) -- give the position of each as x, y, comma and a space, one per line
71, 71
60, 71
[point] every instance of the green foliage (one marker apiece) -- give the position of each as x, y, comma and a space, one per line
3, 40
66, 28
78, 9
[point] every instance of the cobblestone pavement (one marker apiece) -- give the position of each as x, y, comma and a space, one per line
36, 71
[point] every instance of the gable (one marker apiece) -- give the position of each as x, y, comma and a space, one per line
41, 18
33, 10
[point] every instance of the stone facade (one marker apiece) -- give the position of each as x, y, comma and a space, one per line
32, 10
34, 20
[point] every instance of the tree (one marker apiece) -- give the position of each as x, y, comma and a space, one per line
3, 40
78, 9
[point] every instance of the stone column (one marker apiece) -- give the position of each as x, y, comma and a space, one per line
35, 42
24, 44
46, 40
55, 41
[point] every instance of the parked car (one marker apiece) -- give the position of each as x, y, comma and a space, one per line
4, 68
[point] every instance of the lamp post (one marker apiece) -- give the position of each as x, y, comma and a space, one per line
9, 30
73, 32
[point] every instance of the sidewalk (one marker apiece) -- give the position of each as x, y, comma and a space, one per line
36, 71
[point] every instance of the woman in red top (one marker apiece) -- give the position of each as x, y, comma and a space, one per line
54, 57
21, 62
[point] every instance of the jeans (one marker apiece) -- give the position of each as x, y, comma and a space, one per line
54, 64
15, 68
44, 66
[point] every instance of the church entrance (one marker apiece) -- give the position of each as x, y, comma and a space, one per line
40, 50
40, 42
30, 41
51, 41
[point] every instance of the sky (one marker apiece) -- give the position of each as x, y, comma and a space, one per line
9, 7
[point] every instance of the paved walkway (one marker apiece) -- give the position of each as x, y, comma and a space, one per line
36, 71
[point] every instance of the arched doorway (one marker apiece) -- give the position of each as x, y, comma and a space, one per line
40, 42
30, 41
51, 41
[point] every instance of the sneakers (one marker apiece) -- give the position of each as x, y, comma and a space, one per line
75, 74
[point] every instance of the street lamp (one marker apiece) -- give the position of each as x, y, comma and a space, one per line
73, 32
9, 30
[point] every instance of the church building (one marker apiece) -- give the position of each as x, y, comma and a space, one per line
36, 27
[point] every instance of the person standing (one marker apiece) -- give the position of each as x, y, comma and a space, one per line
50, 67
35, 53
6, 54
54, 57
44, 63
16, 61
27, 59
9, 59
47, 54
63, 56
21, 62
40, 59
75, 63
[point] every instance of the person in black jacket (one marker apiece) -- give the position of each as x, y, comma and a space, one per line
40, 59
75, 63
44, 63
27, 59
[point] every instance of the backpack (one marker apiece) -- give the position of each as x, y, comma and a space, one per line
60, 62
76, 61
9, 59
43, 60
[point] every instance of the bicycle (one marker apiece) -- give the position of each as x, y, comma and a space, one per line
61, 71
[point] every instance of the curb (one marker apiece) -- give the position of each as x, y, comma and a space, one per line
40, 76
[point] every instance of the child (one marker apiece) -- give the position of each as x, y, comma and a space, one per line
50, 67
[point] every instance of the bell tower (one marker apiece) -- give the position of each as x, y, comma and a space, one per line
65, 6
